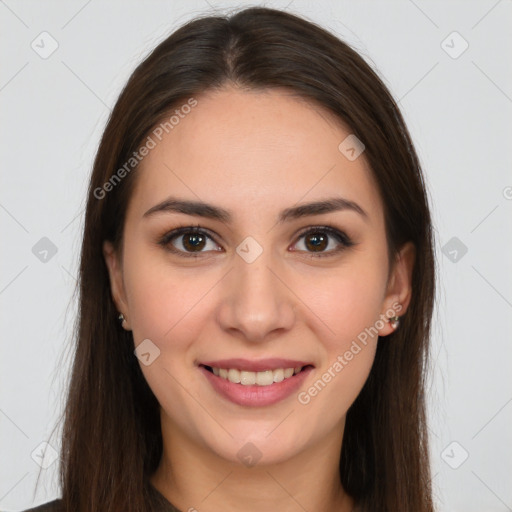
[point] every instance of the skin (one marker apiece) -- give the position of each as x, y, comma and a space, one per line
255, 153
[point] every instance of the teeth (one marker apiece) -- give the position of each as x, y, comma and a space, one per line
278, 375
265, 378
234, 375
288, 372
247, 378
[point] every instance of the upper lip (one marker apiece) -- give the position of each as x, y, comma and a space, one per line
260, 365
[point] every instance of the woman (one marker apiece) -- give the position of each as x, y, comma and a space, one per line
256, 284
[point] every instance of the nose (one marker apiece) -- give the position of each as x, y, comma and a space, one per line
256, 302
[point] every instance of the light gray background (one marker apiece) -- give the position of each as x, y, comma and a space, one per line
458, 110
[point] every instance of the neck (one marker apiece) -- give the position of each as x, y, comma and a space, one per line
192, 478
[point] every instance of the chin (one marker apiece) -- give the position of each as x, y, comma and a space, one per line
263, 446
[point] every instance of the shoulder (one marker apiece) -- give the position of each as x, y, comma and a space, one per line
51, 506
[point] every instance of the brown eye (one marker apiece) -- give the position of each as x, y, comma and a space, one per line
316, 241
193, 241
324, 241
188, 241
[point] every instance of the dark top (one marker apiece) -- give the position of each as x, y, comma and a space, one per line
158, 504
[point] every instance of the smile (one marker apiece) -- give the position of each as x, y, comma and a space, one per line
246, 378
255, 383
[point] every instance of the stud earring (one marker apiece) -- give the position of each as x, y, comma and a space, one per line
394, 321
122, 319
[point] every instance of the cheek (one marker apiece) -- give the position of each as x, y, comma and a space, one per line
151, 299
345, 301
160, 297
347, 306
164, 304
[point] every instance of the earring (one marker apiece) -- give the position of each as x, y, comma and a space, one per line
121, 318
394, 321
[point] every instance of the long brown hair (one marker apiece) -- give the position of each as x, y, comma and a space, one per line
111, 439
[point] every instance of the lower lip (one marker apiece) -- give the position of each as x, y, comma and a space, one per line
256, 396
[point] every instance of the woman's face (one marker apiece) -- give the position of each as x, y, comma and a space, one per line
252, 291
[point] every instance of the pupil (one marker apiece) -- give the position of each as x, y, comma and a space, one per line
193, 241
318, 241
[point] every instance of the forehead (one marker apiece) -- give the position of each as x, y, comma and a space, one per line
253, 151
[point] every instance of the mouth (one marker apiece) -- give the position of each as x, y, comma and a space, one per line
255, 383
251, 378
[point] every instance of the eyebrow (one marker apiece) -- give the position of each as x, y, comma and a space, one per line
200, 209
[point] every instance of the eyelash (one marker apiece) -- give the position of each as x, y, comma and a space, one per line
342, 238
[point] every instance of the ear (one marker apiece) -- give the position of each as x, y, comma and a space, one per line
116, 280
399, 288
